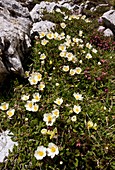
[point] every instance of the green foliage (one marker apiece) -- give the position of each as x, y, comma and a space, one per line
85, 143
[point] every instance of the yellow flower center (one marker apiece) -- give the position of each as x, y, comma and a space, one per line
78, 70
77, 97
58, 102
35, 108
39, 77
40, 153
53, 149
10, 113
30, 105
77, 110
34, 81
62, 48
37, 97
49, 118
4, 107
56, 113
41, 86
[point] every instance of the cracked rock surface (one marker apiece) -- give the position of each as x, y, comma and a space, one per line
15, 25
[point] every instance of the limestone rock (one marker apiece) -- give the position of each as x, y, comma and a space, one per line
108, 33
109, 20
6, 144
101, 28
37, 12
42, 26
15, 25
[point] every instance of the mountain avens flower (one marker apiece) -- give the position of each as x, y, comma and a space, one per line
78, 96
40, 153
10, 112
58, 101
52, 150
4, 106
77, 109
49, 118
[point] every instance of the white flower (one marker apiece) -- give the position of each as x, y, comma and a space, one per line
88, 45
36, 97
27, 74
10, 112
29, 105
55, 113
73, 118
99, 63
74, 59
52, 150
65, 68
44, 131
33, 80
58, 101
69, 56
58, 38
80, 61
66, 17
95, 126
80, 33
35, 108
42, 34
88, 56
87, 20
26, 119
83, 17
40, 153
81, 45
57, 84
78, 70
37, 76
68, 37
83, 51
41, 86
4, 106
49, 118
74, 17
56, 35
25, 97
75, 40
44, 42
50, 35
42, 56
94, 50
72, 72
63, 25
89, 124
62, 47
63, 53
78, 96
61, 162
62, 35
77, 109
68, 43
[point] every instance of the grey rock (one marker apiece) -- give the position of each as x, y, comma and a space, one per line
37, 12
14, 37
108, 33
101, 28
109, 20
42, 26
